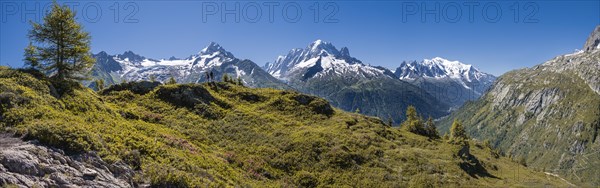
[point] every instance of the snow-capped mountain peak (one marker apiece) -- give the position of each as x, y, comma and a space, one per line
215, 49
320, 48
136, 67
130, 56
213, 58
321, 58
438, 68
440, 74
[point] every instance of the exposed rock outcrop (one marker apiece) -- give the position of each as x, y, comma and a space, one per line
593, 41
28, 164
547, 115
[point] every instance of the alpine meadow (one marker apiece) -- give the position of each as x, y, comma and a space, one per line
80, 108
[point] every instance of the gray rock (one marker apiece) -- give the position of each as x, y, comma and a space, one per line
593, 41
27, 164
59, 178
89, 174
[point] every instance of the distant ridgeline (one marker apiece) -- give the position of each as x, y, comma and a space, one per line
433, 86
222, 134
547, 115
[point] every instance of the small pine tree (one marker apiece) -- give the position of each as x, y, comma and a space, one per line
152, 78
411, 113
240, 82
225, 78
357, 111
413, 122
390, 122
99, 84
457, 131
431, 129
172, 81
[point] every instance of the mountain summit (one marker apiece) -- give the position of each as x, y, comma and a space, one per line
323, 70
213, 58
593, 41
214, 48
321, 58
450, 81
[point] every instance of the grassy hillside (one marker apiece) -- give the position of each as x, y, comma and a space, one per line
224, 135
547, 116
380, 97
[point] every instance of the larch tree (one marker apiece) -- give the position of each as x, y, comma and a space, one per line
431, 129
413, 122
457, 131
59, 46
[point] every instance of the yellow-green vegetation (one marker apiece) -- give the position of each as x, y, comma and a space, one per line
546, 117
223, 135
415, 124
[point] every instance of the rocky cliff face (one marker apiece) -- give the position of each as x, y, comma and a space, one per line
593, 41
548, 115
27, 164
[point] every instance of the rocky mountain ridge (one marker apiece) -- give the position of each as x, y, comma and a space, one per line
213, 58
321, 69
450, 81
547, 116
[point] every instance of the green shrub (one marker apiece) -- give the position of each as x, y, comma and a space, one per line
225, 135
306, 179
71, 137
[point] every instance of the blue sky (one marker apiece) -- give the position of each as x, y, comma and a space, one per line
377, 32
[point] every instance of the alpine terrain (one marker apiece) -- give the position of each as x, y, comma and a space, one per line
214, 58
221, 134
449, 81
547, 116
323, 70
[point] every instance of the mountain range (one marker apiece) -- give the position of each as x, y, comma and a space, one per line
212, 59
222, 134
547, 116
449, 81
433, 86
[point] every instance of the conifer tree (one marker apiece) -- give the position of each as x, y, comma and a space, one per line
99, 84
413, 122
225, 78
172, 81
457, 131
431, 129
240, 82
59, 46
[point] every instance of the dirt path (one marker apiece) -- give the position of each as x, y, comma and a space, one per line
557, 176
